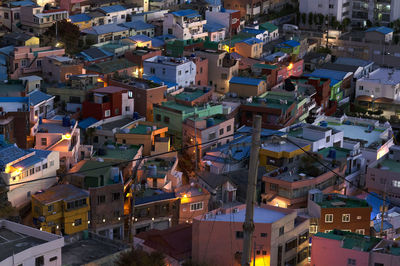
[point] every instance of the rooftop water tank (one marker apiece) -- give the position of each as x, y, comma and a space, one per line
152, 170
210, 122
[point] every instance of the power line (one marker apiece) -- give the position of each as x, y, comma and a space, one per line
128, 161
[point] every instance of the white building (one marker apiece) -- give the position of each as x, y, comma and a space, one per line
359, 11
181, 71
41, 105
184, 25
381, 83
24, 245
221, 16
20, 165
115, 13
61, 134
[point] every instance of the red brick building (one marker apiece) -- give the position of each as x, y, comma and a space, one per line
335, 211
108, 102
146, 94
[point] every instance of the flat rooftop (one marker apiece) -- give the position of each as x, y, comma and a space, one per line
120, 153
85, 251
383, 76
190, 95
141, 129
282, 147
340, 152
358, 132
341, 201
116, 123
261, 215
13, 243
389, 165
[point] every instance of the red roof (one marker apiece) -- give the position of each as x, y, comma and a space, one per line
175, 242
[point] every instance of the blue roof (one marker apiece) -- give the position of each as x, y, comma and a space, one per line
160, 81
290, 43
95, 53
40, 153
377, 225
114, 8
36, 97
80, 18
158, 197
375, 202
85, 123
23, 3
186, 13
14, 99
252, 41
10, 152
245, 81
238, 153
213, 27
327, 73
353, 61
253, 31
3, 73
155, 42
7, 50
32, 160
103, 29
140, 38
137, 25
382, 29
166, 37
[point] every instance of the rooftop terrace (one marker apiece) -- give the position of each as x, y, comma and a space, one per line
341, 201
190, 95
358, 132
261, 215
389, 165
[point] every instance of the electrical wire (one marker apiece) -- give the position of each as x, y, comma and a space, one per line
127, 161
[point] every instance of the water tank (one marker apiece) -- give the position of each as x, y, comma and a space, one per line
66, 121
210, 122
152, 170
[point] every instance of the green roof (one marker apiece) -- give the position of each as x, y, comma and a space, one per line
121, 155
390, 165
141, 129
181, 107
340, 152
93, 170
268, 26
265, 66
351, 240
189, 95
110, 66
340, 201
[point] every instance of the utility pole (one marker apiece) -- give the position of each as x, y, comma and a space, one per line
383, 210
248, 225
132, 207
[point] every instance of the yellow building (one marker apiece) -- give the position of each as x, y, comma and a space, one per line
247, 87
251, 48
63, 208
278, 153
148, 134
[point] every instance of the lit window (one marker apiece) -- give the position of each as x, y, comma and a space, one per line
328, 218
346, 218
196, 206
396, 183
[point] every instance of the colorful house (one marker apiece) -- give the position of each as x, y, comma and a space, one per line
247, 87
83, 21
252, 47
62, 208
291, 47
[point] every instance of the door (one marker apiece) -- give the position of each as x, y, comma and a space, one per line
230, 196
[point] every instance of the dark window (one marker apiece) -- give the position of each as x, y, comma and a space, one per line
263, 234
44, 166
351, 262
158, 117
31, 171
78, 222
39, 261
116, 196
5, 15
53, 258
239, 234
228, 128
281, 230
264, 252
273, 187
96, 139
101, 199
379, 264
221, 131
303, 238
166, 119
303, 254
291, 244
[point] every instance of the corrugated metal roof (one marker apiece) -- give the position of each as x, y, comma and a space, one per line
185, 13
36, 97
85, 123
80, 18
65, 192
111, 9
382, 29
137, 25
245, 81
162, 196
103, 29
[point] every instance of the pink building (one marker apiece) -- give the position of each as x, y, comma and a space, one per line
37, 19
72, 6
26, 60
201, 71
354, 249
280, 237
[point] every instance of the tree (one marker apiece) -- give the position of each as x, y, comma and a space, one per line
304, 18
67, 36
316, 19
320, 19
345, 22
136, 257
310, 18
